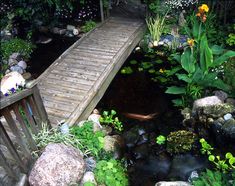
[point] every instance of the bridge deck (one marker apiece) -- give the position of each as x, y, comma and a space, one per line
73, 85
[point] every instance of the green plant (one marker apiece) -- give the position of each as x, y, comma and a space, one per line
199, 63
92, 142
126, 70
88, 184
16, 45
161, 140
205, 147
221, 164
231, 38
111, 173
89, 25
209, 178
180, 141
156, 27
110, 119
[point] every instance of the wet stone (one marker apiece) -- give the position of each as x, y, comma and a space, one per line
229, 128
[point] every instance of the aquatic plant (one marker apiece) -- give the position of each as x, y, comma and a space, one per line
110, 119
223, 165
180, 141
161, 140
111, 173
156, 26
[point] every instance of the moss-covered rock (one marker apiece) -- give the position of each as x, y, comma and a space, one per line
216, 111
180, 141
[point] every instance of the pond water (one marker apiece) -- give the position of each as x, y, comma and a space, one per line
45, 54
133, 97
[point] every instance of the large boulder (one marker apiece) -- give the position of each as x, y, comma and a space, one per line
229, 128
59, 165
11, 82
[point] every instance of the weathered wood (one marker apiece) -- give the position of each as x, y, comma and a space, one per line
88, 66
24, 127
7, 167
11, 123
7, 141
6, 101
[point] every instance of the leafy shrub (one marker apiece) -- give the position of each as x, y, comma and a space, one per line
16, 45
110, 119
92, 142
180, 141
89, 25
161, 140
111, 173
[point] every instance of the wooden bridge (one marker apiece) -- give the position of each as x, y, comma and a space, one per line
73, 85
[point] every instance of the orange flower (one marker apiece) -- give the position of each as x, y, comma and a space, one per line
190, 42
198, 14
204, 18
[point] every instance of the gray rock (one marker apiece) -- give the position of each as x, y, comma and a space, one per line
107, 129
70, 27
186, 113
88, 177
114, 144
193, 175
229, 128
12, 62
141, 151
131, 136
17, 68
205, 102
227, 116
173, 183
230, 101
90, 163
58, 165
221, 95
216, 111
96, 123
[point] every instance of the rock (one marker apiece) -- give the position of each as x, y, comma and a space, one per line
27, 75
107, 130
58, 165
75, 32
183, 165
112, 143
95, 118
221, 95
205, 102
22, 64
131, 136
12, 62
141, 151
11, 80
70, 27
64, 128
173, 183
227, 116
193, 175
230, 101
186, 113
88, 177
17, 68
216, 111
90, 163
229, 128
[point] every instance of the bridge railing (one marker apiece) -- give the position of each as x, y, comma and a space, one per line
104, 12
21, 115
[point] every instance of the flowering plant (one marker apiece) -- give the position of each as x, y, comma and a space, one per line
199, 61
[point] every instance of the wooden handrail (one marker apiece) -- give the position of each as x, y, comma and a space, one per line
21, 116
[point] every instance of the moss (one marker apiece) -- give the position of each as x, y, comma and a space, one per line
217, 111
180, 141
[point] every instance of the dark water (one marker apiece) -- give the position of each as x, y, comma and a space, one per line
146, 161
45, 54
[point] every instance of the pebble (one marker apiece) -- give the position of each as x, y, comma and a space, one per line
228, 116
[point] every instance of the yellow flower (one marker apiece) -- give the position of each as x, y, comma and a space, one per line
205, 7
190, 42
161, 70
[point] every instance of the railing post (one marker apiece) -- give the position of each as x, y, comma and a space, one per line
102, 10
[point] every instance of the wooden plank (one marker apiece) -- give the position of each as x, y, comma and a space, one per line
11, 123
6, 101
56, 112
7, 167
24, 127
8, 143
103, 57
58, 106
99, 52
95, 94
88, 60
41, 109
29, 117
81, 66
96, 48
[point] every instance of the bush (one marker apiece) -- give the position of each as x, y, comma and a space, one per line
89, 25
16, 45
